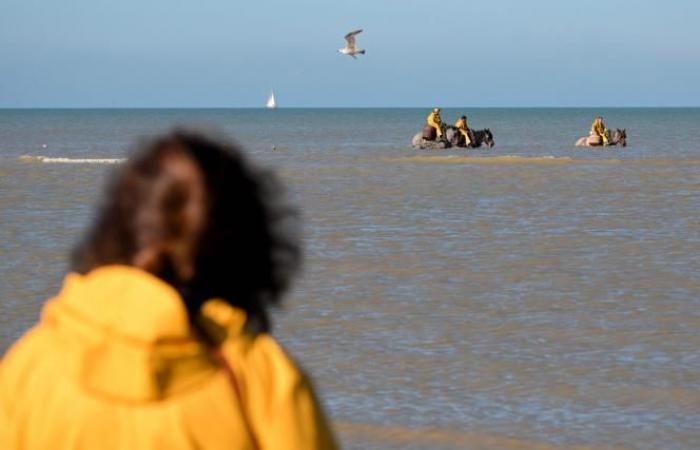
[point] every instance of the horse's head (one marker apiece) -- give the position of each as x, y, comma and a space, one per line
621, 137
488, 138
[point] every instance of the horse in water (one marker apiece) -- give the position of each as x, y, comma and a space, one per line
451, 137
478, 137
427, 140
619, 137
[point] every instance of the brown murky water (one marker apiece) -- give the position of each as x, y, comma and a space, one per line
532, 296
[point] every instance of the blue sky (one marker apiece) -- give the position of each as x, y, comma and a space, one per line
226, 53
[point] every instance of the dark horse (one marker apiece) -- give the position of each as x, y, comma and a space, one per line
478, 137
619, 137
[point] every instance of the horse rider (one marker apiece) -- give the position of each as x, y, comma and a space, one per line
598, 129
435, 121
463, 128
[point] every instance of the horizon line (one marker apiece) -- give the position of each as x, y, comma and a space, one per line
342, 107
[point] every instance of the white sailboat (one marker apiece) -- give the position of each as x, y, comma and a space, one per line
271, 103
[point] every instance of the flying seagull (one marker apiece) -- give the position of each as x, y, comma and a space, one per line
350, 48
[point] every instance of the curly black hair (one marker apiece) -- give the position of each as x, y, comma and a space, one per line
248, 248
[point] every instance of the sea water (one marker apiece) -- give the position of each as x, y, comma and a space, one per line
532, 295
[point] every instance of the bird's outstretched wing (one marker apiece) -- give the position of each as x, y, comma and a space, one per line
350, 38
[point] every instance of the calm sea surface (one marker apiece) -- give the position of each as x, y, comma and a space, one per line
532, 295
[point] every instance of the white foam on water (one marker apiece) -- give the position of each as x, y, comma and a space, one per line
66, 160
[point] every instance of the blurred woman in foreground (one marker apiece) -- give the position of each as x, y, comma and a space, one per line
158, 339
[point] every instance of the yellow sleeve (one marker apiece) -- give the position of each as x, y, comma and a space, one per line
5, 426
15, 366
279, 400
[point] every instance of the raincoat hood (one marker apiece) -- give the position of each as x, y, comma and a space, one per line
132, 333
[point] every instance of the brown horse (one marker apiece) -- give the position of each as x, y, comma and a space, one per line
619, 137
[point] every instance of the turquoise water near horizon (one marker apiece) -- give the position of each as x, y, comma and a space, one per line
534, 294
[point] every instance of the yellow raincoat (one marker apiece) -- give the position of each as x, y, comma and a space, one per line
114, 364
598, 129
463, 128
435, 121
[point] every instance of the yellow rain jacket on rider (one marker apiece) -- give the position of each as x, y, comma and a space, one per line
598, 129
114, 364
435, 121
463, 128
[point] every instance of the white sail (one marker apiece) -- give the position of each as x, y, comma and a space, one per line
271, 103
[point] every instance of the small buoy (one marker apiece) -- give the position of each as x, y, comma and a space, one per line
44, 145
274, 148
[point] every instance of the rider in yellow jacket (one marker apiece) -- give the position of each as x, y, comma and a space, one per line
435, 121
463, 128
598, 129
